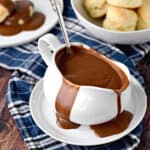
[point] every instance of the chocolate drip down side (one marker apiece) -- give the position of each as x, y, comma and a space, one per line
64, 102
124, 85
118, 103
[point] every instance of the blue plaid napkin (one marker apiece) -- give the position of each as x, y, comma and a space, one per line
29, 67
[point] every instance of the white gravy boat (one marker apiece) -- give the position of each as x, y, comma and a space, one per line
92, 105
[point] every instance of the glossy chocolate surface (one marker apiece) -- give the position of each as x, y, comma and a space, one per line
21, 12
64, 103
87, 67
22, 19
115, 126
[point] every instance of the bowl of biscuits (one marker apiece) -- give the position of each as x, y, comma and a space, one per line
115, 21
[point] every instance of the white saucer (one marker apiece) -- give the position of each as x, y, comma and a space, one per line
27, 36
46, 120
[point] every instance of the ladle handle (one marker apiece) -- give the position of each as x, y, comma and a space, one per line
61, 21
48, 44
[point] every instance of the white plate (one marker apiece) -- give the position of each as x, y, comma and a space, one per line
27, 36
46, 120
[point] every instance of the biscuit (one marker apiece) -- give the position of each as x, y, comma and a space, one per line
22, 13
120, 19
6, 7
95, 8
144, 15
125, 3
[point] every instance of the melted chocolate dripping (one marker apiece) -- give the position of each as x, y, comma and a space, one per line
88, 67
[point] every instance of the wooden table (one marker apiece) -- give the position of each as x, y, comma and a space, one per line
15, 141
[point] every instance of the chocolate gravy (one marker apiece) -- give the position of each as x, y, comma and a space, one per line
21, 11
64, 103
36, 21
87, 67
115, 126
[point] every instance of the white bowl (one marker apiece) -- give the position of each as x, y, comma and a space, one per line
133, 37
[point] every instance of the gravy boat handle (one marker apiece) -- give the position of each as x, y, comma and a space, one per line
48, 44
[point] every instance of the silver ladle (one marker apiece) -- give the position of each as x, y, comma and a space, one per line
62, 25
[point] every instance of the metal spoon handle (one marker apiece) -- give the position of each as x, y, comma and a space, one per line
61, 22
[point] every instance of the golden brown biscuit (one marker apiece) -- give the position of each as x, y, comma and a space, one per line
6, 7
22, 13
95, 8
144, 15
120, 19
3, 13
125, 3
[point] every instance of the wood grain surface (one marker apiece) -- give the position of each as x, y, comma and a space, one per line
15, 141
144, 68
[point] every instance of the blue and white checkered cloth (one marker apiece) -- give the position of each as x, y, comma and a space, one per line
29, 67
